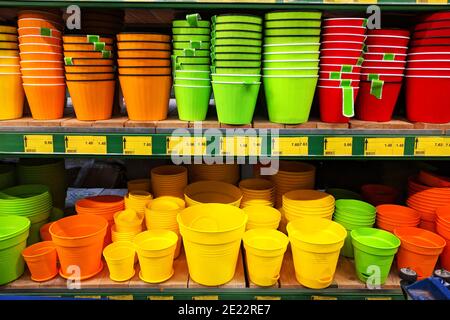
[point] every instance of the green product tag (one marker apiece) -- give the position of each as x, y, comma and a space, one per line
174, 60
99, 46
46, 32
348, 107
106, 54
364, 24
189, 52
346, 68
335, 75
193, 19
213, 69
376, 88
195, 44
68, 61
360, 61
389, 56
364, 48
373, 76
346, 83
91, 38
213, 19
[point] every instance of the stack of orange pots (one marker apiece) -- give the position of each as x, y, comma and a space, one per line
90, 75
104, 206
11, 91
41, 62
145, 74
443, 229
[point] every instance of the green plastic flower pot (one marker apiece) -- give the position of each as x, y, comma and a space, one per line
339, 193
243, 49
291, 39
192, 53
374, 251
292, 47
236, 77
192, 102
235, 70
348, 225
187, 24
310, 63
187, 38
237, 34
289, 98
192, 67
291, 71
7, 176
236, 42
190, 60
291, 55
237, 63
202, 45
236, 56
237, 18
272, 24
13, 238
292, 15
367, 222
231, 26
192, 74
355, 206
192, 82
292, 32
191, 31
235, 101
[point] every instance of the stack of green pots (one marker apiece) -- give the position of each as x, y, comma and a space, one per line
291, 64
7, 176
191, 67
31, 201
352, 215
236, 66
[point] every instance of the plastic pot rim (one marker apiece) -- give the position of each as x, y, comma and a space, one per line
293, 44
307, 68
281, 61
291, 76
428, 77
235, 75
229, 82
185, 86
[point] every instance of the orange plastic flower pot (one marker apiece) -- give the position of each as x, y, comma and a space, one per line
143, 45
79, 242
444, 213
143, 37
11, 95
89, 54
41, 32
397, 212
38, 14
433, 180
89, 76
84, 47
428, 225
146, 97
87, 94
40, 56
136, 54
89, 69
45, 233
41, 64
86, 39
143, 62
39, 23
445, 256
145, 71
420, 250
443, 230
43, 72
43, 80
40, 47
92, 62
29, 39
41, 259
46, 100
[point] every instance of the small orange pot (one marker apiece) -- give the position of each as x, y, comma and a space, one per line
41, 64
46, 100
89, 76
143, 37
43, 80
92, 62
42, 72
143, 45
86, 47
146, 97
40, 56
89, 69
9, 53
36, 39
9, 45
145, 71
40, 47
144, 62
39, 23
87, 39
89, 54
92, 100
41, 260
135, 54
9, 69
37, 31
39, 14
8, 37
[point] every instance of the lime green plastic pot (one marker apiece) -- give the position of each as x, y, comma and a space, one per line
235, 101
291, 71
347, 249
292, 47
291, 55
292, 32
289, 98
356, 207
373, 249
186, 24
293, 24
192, 74
310, 63
192, 82
235, 70
191, 31
236, 56
290, 15
202, 45
192, 60
7, 176
237, 27
237, 34
13, 237
291, 39
243, 49
192, 102
187, 38
236, 18
236, 77
236, 42
192, 67
339, 193
191, 53
367, 222
237, 63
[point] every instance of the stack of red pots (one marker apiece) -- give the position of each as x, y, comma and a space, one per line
382, 74
340, 65
428, 71
443, 229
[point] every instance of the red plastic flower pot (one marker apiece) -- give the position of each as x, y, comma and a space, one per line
343, 37
384, 64
387, 49
377, 194
351, 53
385, 56
432, 25
437, 16
344, 29
387, 41
339, 75
432, 33
435, 72
428, 99
437, 49
413, 56
331, 104
342, 45
429, 64
383, 77
380, 70
430, 42
340, 68
370, 108
354, 22
340, 60
389, 32
337, 83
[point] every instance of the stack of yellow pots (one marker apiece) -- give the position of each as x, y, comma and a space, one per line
161, 213
11, 90
257, 192
169, 180
127, 225
212, 192
138, 200
228, 173
262, 217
